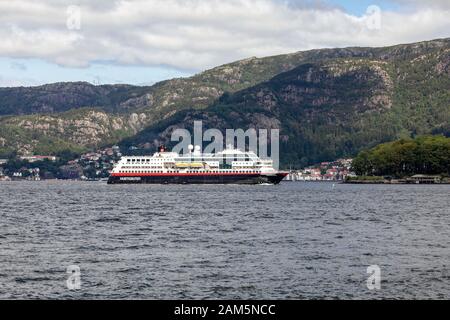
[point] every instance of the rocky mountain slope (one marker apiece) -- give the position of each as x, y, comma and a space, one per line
327, 103
193, 92
335, 107
64, 96
141, 106
74, 130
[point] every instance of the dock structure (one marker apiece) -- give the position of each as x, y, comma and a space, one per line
425, 179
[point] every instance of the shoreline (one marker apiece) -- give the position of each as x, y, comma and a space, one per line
359, 182
395, 182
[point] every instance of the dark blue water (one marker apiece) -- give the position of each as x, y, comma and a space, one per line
295, 240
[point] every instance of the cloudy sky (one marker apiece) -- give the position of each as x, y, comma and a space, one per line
142, 42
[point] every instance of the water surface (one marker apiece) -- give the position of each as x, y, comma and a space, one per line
293, 241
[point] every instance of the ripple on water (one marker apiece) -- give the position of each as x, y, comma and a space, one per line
295, 240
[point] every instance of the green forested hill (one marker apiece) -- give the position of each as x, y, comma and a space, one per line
30, 116
335, 107
406, 157
328, 103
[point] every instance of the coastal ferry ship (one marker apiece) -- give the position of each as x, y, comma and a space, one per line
230, 166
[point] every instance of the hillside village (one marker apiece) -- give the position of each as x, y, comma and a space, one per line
337, 170
97, 165
89, 166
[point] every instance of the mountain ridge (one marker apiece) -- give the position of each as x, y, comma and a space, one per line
139, 108
362, 102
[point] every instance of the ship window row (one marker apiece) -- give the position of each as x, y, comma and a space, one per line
146, 167
229, 171
223, 158
145, 160
190, 171
143, 171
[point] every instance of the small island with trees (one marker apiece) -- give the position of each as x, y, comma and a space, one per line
424, 159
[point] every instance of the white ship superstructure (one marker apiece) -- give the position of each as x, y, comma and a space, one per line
228, 166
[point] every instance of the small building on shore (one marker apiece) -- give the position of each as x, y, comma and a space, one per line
424, 179
32, 159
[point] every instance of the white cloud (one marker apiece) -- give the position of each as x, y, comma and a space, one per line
439, 4
198, 34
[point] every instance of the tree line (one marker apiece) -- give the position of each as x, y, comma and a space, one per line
406, 157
